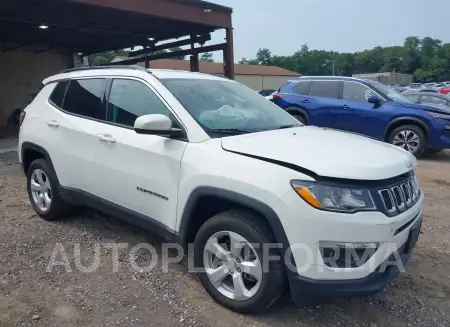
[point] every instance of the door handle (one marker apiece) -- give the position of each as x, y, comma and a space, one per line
52, 123
305, 101
106, 138
345, 106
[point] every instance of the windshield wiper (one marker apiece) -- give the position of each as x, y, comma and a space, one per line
230, 131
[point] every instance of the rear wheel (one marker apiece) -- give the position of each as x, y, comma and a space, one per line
230, 249
43, 191
409, 137
300, 118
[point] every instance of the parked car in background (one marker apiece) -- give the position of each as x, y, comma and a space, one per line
431, 90
439, 86
398, 88
437, 100
429, 85
445, 90
366, 107
266, 92
414, 85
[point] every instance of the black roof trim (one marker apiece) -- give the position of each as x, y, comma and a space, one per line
208, 5
133, 67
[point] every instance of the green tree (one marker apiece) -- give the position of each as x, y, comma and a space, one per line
105, 57
427, 59
264, 56
206, 57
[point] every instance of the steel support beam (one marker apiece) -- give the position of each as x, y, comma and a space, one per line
188, 11
228, 54
165, 46
208, 48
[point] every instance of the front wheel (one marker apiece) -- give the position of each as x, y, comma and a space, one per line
231, 249
409, 137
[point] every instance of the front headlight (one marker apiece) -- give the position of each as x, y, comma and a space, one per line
333, 198
438, 115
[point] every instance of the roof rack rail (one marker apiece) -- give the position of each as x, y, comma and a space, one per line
134, 67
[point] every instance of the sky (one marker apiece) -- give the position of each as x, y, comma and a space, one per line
337, 25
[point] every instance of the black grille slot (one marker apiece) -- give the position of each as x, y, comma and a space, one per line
399, 197
407, 193
387, 200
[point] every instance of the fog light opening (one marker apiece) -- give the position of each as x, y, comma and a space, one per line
346, 254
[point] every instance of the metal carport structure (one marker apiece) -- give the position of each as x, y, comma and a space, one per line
92, 26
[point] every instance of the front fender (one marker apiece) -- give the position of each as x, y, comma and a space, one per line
240, 199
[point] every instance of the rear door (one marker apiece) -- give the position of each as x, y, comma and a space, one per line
77, 105
325, 104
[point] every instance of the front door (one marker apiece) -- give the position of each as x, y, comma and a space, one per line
362, 117
138, 172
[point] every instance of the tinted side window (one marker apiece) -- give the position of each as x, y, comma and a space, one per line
284, 85
302, 88
326, 89
84, 97
130, 99
356, 92
58, 93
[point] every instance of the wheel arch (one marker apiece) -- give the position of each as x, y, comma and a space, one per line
405, 121
30, 152
299, 111
194, 216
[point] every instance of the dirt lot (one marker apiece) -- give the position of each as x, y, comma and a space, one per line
29, 296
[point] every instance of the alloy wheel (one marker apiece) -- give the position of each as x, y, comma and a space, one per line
41, 190
232, 265
407, 140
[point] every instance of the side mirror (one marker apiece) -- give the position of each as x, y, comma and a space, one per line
156, 124
374, 99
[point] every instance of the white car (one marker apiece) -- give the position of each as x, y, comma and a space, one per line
268, 203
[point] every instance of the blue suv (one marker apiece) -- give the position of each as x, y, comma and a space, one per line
366, 107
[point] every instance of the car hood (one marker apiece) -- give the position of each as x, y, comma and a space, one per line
324, 152
436, 108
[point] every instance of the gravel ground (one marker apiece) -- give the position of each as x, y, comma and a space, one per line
30, 296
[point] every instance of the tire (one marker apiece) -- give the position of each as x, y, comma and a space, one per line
55, 208
410, 130
254, 229
300, 118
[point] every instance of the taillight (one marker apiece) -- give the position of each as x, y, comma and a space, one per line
22, 117
278, 96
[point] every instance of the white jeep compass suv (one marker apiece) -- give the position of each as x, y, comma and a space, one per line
267, 202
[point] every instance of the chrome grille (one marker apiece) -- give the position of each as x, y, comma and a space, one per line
401, 196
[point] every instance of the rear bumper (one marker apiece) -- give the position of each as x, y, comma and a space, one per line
439, 134
303, 287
